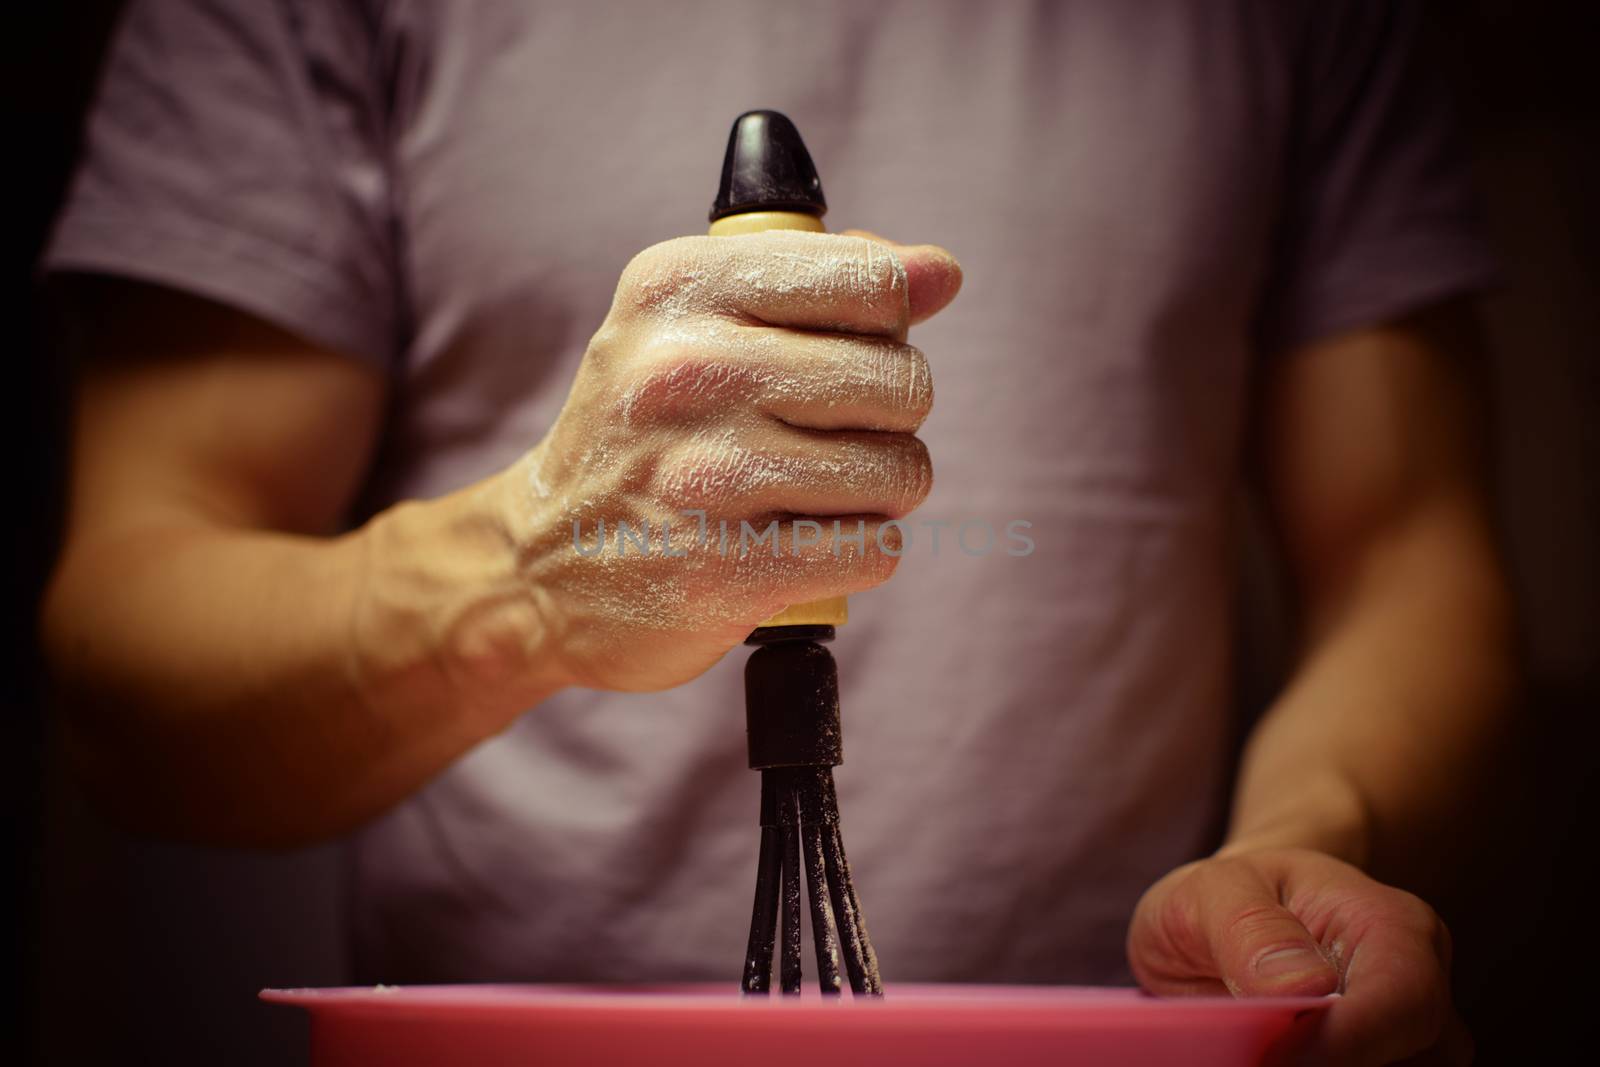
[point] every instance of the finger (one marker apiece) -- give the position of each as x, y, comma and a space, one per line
1396, 1000
1258, 946
1218, 925
770, 562
729, 575
788, 278
821, 381
771, 468
932, 274
847, 473
1166, 950
842, 382
819, 281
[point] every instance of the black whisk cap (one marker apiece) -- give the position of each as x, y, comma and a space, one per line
767, 168
791, 699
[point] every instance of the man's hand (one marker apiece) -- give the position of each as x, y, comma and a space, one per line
737, 382
232, 673
1292, 922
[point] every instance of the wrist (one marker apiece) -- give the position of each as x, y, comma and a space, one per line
1325, 814
443, 615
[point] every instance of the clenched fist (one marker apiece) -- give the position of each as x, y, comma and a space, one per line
737, 382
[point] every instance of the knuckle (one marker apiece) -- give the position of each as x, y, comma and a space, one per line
708, 471
916, 472
657, 352
644, 266
919, 383
895, 377
893, 473
658, 276
607, 341
878, 565
671, 377
1249, 923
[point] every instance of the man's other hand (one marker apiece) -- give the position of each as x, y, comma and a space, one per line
1292, 922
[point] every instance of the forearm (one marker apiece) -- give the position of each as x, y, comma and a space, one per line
1400, 700
259, 688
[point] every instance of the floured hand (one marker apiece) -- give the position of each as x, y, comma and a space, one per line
737, 382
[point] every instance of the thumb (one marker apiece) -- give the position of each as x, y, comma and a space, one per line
1220, 924
933, 277
1259, 947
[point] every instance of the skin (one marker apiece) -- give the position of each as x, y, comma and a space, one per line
1358, 774
234, 671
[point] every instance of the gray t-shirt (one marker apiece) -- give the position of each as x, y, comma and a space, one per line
1147, 198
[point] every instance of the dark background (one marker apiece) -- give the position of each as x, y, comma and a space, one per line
138, 952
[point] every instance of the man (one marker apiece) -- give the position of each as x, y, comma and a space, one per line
362, 250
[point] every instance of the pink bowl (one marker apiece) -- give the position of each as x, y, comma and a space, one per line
926, 1025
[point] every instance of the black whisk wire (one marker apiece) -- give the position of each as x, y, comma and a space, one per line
792, 712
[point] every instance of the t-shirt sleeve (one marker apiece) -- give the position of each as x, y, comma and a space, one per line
235, 151
1378, 216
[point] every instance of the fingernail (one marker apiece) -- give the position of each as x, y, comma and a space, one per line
1289, 961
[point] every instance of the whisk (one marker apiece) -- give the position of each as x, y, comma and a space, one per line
791, 685
792, 715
